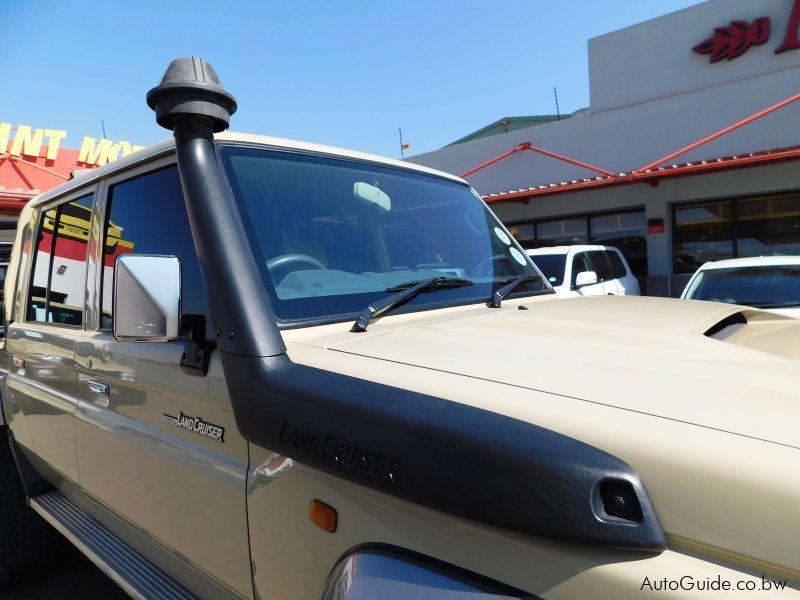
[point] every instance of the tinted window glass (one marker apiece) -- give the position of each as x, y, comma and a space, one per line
600, 265
579, 264
703, 232
147, 216
626, 231
617, 268
58, 285
562, 232
552, 266
768, 226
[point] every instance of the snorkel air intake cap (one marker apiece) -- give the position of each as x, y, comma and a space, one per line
190, 87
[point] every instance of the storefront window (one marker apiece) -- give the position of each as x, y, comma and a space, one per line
703, 232
735, 228
625, 231
524, 234
563, 232
768, 226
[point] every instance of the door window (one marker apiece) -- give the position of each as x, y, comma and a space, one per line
600, 264
147, 215
617, 267
58, 283
579, 264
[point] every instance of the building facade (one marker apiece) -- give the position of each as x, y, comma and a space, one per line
689, 152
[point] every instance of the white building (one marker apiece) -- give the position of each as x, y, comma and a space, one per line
651, 95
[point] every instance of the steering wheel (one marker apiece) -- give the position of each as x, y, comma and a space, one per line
293, 259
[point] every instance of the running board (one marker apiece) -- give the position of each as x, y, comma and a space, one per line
136, 575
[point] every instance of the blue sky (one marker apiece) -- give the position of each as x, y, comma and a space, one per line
345, 73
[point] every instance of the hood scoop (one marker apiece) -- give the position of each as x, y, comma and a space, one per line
727, 327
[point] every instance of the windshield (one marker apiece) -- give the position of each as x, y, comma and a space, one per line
552, 265
331, 236
762, 287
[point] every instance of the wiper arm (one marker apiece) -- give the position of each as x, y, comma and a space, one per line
404, 293
510, 285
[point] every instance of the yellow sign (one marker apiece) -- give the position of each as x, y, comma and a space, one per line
28, 142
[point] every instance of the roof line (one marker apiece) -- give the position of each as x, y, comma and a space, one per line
652, 176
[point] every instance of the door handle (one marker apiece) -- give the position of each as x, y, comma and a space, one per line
98, 388
100, 393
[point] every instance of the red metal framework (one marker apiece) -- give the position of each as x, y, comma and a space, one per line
652, 172
529, 146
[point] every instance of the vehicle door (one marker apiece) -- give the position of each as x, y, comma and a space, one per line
142, 448
43, 386
580, 264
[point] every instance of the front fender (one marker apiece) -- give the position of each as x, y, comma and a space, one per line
391, 573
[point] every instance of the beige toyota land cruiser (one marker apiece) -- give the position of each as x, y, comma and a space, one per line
243, 367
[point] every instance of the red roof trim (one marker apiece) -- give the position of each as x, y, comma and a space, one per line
651, 176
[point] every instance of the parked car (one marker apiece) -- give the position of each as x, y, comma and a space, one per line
586, 270
768, 282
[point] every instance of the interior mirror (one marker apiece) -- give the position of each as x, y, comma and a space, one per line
373, 195
147, 298
586, 278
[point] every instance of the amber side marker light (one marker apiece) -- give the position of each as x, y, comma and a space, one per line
323, 515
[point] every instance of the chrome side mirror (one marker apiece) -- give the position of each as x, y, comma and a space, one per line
585, 278
147, 298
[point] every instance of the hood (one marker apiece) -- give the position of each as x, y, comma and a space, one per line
721, 366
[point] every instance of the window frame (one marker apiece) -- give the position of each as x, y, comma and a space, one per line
587, 216
22, 311
103, 211
734, 201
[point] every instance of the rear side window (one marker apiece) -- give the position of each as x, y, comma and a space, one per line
617, 267
147, 215
58, 283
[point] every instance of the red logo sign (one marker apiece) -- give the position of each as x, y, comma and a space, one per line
736, 39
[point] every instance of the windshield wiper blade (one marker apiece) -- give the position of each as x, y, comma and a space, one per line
510, 285
404, 293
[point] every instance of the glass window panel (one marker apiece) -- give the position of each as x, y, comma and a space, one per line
37, 299
703, 232
68, 278
59, 273
524, 234
600, 265
626, 231
768, 226
579, 264
562, 232
148, 216
618, 269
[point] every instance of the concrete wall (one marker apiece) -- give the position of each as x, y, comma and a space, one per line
654, 59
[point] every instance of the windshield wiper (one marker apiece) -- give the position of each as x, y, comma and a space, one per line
510, 285
404, 293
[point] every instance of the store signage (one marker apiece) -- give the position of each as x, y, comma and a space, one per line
28, 141
739, 36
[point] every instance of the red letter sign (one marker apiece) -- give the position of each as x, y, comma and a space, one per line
790, 42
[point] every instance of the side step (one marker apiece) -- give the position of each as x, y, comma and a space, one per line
125, 566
